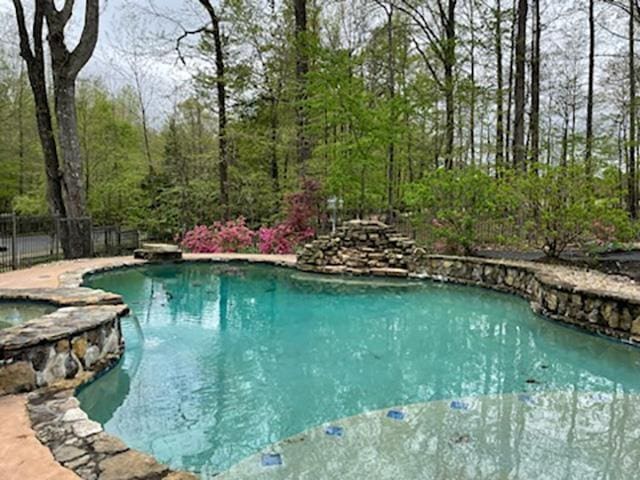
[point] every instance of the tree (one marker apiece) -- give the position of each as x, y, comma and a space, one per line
519, 148
221, 92
592, 54
302, 72
499, 162
535, 85
632, 177
66, 191
438, 25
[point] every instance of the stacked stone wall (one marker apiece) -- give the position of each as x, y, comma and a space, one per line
359, 248
602, 308
63, 345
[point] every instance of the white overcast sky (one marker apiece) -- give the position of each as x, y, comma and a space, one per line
130, 28
140, 25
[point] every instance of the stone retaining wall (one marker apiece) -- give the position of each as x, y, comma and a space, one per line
359, 248
61, 345
592, 301
81, 445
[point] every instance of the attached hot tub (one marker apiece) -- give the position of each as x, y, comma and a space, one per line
14, 313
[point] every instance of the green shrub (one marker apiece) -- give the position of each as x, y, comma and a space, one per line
457, 201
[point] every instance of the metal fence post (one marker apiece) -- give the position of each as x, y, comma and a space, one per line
56, 241
91, 248
119, 239
14, 241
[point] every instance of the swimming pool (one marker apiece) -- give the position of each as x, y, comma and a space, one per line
15, 313
225, 362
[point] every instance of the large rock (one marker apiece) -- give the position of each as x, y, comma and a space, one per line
158, 252
17, 377
131, 465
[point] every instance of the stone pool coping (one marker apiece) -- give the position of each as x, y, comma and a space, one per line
60, 283
603, 304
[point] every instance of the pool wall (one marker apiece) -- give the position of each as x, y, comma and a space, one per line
593, 301
587, 300
76, 340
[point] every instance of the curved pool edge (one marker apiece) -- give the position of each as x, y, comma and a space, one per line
606, 309
462, 438
595, 302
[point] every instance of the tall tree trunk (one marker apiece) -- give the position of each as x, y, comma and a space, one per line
565, 138
221, 94
65, 186
512, 55
69, 142
302, 73
574, 104
275, 182
143, 117
21, 149
631, 170
472, 107
449, 82
391, 88
535, 85
592, 54
519, 157
37, 79
499, 92
66, 65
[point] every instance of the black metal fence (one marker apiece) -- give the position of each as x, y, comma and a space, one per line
25, 241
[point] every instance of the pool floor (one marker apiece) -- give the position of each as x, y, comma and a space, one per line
562, 435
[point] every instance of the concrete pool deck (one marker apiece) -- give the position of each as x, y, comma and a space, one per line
22, 456
51, 275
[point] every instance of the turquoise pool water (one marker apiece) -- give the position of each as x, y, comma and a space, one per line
15, 313
224, 360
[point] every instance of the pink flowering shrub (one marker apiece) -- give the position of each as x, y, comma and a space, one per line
229, 237
234, 235
276, 240
297, 228
200, 240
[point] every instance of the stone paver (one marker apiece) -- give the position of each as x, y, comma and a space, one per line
22, 456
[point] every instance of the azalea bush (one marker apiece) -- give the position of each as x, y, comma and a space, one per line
235, 236
565, 210
278, 240
612, 225
228, 237
297, 228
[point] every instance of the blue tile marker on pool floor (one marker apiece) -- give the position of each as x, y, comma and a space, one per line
527, 399
396, 415
459, 405
271, 459
334, 431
